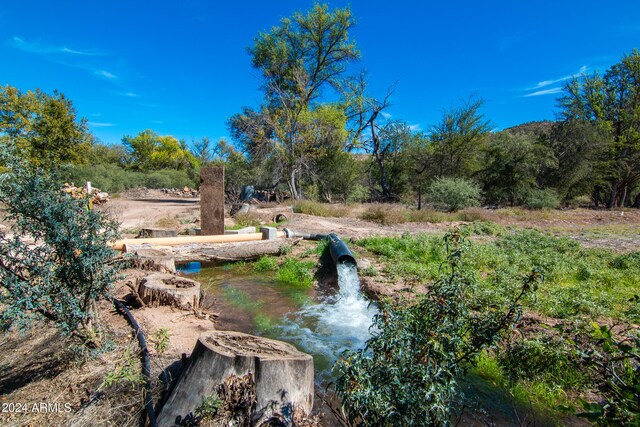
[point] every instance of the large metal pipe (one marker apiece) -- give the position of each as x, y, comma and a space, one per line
306, 236
339, 251
185, 240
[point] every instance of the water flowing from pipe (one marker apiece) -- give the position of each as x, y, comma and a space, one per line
337, 323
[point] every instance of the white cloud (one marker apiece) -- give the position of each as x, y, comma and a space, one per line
100, 124
545, 83
39, 48
415, 128
105, 74
386, 115
545, 92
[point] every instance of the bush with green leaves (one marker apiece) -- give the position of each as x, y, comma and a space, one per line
408, 371
542, 199
615, 359
70, 265
453, 194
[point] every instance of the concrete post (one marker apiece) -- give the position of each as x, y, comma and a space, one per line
212, 200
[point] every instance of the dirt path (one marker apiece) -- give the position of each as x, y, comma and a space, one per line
611, 229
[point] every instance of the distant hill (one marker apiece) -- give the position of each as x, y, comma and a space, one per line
532, 128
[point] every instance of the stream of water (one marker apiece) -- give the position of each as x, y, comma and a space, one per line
323, 322
335, 323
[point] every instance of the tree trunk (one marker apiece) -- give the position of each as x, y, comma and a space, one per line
623, 199
611, 202
166, 289
636, 204
293, 186
149, 258
283, 376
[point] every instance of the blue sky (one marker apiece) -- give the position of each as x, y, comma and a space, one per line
181, 67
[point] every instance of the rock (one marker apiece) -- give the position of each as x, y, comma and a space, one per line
363, 263
283, 375
244, 209
167, 289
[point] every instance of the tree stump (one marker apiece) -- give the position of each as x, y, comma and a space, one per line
167, 289
148, 258
283, 376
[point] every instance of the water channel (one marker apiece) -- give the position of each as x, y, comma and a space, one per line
322, 322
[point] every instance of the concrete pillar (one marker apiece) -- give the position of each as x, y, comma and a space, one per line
212, 200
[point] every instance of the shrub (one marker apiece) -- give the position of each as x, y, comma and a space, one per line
615, 358
70, 266
542, 199
384, 214
113, 178
167, 178
407, 373
453, 194
320, 209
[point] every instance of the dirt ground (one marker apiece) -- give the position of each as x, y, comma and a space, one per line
615, 229
38, 366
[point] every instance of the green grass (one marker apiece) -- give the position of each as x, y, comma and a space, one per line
578, 281
296, 273
543, 395
542, 368
266, 263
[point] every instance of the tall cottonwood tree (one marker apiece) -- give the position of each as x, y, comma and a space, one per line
298, 60
612, 103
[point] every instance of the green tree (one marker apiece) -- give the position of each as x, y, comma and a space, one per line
612, 103
150, 151
389, 162
513, 163
44, 128
70, 267
298, 59
238, 171
203, 151
457, 139
579, 149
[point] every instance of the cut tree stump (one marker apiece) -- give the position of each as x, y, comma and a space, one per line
167, 289
283, 376
150, 258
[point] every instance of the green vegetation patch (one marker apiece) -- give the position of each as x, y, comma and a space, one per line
578, 281
296, 273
